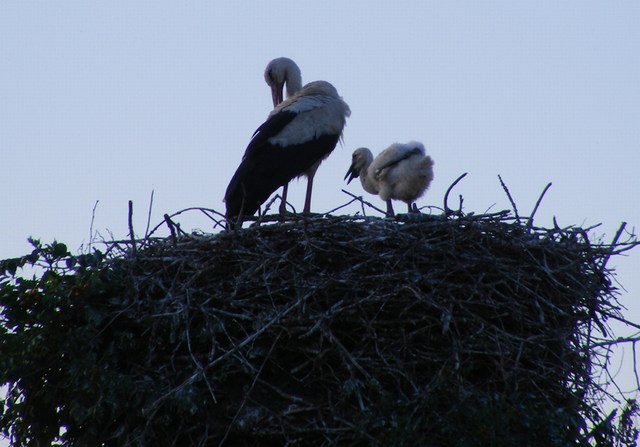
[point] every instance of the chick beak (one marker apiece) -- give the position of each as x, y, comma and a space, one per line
351, 173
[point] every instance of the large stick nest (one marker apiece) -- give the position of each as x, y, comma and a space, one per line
360, 331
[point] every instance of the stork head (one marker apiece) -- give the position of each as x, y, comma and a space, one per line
360, 161
279, 72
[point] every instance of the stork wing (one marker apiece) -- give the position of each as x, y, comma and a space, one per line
395, 161
270, 128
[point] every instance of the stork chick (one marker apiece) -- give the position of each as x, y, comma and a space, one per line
400, 172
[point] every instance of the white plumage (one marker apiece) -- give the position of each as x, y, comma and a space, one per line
400, 172
317, 113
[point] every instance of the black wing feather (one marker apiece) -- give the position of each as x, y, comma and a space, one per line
270, 128
265, 167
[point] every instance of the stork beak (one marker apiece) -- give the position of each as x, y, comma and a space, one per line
276, 94
351, 173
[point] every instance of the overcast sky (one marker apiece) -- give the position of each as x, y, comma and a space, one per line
108, 101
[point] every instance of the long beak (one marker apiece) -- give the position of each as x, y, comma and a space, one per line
276, 94
351, 173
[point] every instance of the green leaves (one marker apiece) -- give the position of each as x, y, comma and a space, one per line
49, 324
54, 256
10, 266
41, 255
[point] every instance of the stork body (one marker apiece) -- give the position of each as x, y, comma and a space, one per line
299, 133
400, 172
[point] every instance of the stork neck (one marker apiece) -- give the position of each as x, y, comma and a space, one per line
293, 79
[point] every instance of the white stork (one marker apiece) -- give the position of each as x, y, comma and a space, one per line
281, 71
400, 172
298, 134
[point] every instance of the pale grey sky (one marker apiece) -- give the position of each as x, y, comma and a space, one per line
107, 101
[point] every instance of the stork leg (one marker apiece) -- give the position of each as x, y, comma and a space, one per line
390, 212
413, 208
307, 200
283, 202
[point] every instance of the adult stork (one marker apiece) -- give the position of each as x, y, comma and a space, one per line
400, 172
278, 73
298, 134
